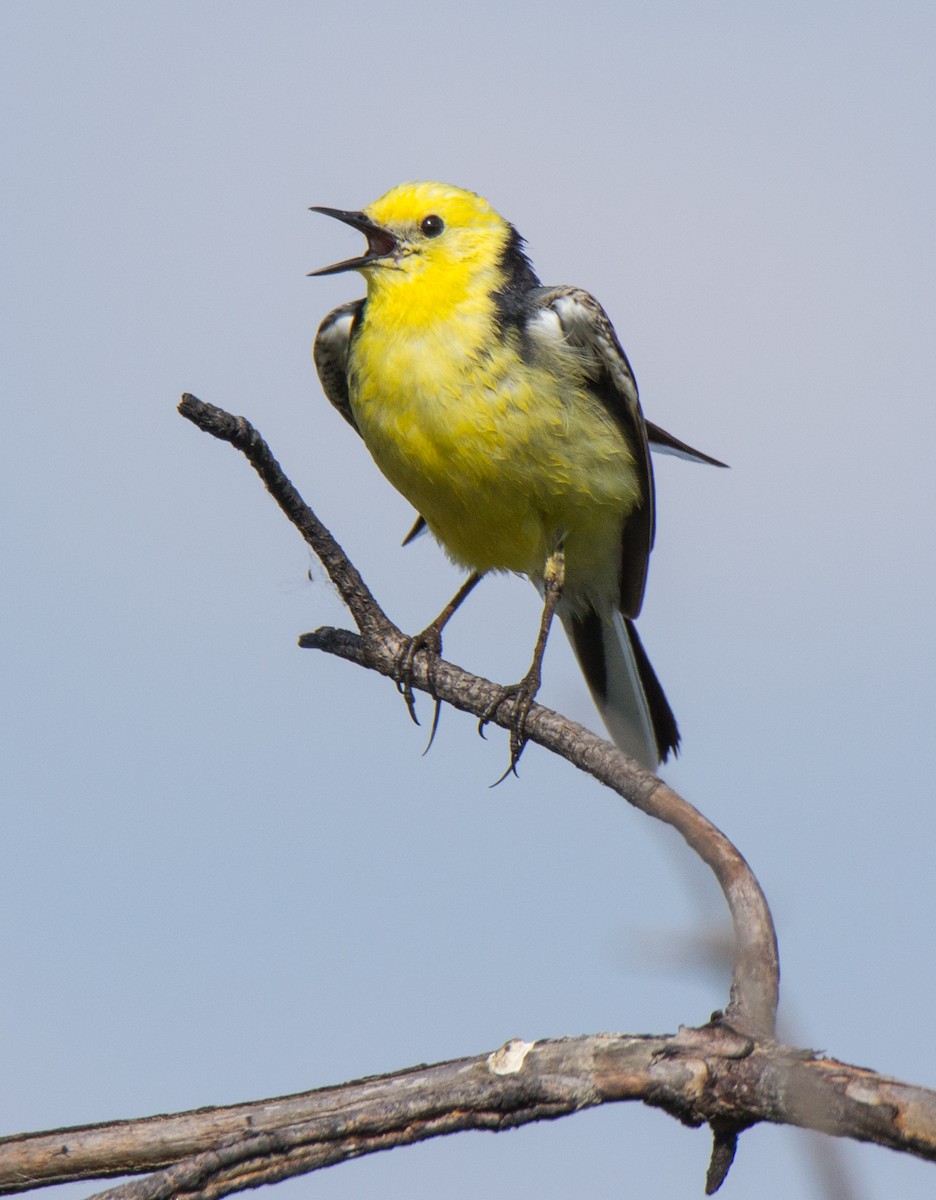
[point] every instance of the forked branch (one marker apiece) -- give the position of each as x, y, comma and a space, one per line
730, 1073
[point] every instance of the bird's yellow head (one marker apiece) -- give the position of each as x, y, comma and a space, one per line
444, 236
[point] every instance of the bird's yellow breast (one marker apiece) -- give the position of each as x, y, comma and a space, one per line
502, 456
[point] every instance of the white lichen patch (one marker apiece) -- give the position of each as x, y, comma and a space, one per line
509, 1059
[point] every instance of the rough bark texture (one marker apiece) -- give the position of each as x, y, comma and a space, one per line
712, 1074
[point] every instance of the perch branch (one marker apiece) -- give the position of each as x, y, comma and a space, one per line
755, 983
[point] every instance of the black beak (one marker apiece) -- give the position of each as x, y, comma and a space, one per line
380, 243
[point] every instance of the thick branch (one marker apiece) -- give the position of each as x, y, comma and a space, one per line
700, 1075
755, 983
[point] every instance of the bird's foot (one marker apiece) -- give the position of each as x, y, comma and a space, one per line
429, 640
522, 694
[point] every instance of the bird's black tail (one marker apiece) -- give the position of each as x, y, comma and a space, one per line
624, 685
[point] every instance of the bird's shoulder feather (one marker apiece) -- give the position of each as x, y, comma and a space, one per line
574, 317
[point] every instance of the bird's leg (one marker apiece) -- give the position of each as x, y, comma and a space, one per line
524, 692
429, 640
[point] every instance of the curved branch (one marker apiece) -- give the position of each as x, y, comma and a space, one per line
700, 1075
755, 982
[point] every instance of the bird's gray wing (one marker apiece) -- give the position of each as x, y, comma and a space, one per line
330, 352
579, 320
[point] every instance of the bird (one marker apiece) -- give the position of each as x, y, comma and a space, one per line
506, 412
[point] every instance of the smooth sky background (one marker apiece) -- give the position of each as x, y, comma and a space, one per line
225, 870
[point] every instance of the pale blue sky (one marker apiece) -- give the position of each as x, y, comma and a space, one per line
226, 870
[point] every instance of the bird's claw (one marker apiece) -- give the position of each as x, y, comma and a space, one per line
430, 640
523, 695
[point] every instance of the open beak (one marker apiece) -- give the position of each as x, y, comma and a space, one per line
380, 243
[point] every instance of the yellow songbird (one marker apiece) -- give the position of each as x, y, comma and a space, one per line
507, 414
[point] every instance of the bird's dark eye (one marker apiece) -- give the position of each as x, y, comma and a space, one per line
432, 225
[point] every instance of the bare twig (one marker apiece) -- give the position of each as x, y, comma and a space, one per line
755, 984
240, 433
